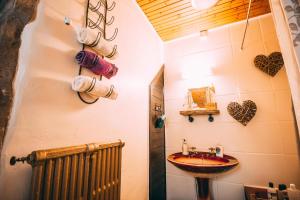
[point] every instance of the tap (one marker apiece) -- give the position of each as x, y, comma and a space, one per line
212, 151
192, 150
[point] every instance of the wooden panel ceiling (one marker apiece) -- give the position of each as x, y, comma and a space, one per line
176, 18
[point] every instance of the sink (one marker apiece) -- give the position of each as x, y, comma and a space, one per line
203, 166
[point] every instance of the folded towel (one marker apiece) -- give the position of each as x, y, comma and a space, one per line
96, 64
93, 87
88, 36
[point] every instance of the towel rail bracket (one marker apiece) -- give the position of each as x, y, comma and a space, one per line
13, 160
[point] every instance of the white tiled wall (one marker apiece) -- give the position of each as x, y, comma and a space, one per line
266, 148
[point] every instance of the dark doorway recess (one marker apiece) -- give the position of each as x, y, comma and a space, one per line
157, 157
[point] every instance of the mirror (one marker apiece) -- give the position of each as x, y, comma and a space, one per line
202, 98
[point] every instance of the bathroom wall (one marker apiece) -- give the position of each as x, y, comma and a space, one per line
48, 114
267, 147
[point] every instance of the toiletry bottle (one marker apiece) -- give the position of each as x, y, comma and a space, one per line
272, 192
185, 148
293, 193
282, 192
219, 151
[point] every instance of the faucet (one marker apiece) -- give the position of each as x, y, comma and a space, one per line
192, 150
212, 151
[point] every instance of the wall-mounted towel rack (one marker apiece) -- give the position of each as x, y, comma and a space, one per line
99, 25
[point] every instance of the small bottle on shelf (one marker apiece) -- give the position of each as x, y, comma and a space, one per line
293, 193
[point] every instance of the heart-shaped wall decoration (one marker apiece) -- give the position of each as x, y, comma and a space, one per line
242, 113
271, 64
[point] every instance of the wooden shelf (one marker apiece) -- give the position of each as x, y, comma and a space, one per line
199, 112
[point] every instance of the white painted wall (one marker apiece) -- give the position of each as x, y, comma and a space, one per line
267, 147
47, 113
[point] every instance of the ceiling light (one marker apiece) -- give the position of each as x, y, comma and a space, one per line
203, 4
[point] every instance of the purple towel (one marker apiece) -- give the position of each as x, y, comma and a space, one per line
96, 64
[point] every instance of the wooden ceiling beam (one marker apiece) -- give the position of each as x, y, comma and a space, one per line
194, 29
177, 18
183, 8
182, 13
204, 24
159, 4
163, 6
219, 15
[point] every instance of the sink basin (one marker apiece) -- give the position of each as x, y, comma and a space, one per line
203, 163
203, 166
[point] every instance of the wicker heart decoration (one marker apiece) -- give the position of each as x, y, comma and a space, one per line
271, 64
242, 113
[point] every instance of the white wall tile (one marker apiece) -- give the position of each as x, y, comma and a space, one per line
253, 33
289, 137
271, 47
250, 78
196, 44
172, 109
175, 132
283, 104
280, 81
253, 138
291, 170
265, 102
262, 137
180, 188
263, 168
230, 191
222, 102
266, 148
239, 174
267, 29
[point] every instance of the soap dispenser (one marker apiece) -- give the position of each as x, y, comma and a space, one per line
185, 148
219, 151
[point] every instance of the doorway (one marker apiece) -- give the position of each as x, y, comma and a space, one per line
157, 157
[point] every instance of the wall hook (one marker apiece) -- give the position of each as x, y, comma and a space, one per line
67, 21
191, 119
95, 8
96, 24
113, 36
111, 21
114, 51
210, 118
95, 43
112, 6
100, 24
13, 160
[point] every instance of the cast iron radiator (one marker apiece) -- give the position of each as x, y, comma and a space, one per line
91, 171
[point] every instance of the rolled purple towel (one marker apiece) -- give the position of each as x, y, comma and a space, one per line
96, 64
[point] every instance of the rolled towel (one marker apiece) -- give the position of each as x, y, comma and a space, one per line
88, 36
96, 64
93, 87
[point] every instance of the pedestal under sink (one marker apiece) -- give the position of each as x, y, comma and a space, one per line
203, 166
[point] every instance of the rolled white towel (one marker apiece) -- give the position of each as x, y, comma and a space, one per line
93, 87
88, 36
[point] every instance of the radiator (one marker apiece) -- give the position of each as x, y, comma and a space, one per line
91, 171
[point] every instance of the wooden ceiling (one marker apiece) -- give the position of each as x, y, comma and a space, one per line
176, 18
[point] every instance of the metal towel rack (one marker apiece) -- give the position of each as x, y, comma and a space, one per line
100, 25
